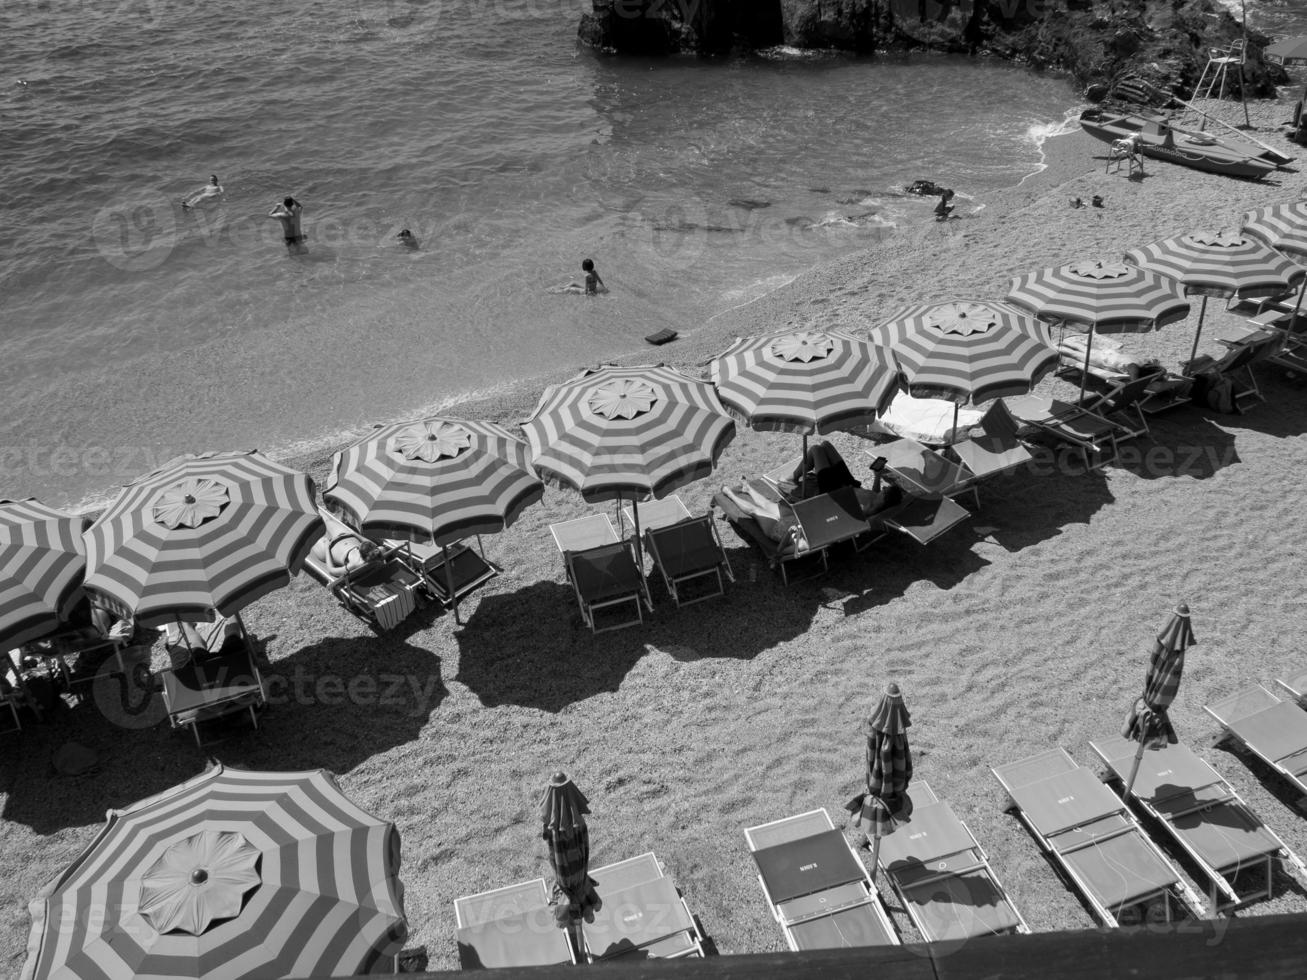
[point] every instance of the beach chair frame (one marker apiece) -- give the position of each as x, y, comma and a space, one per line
613, 878
482, 908
211, 670
1176, 893
593, 538
720, 572
796, 828
1097, 441
923, 796
780, 556
1248, 703
1217, 793
925, 473
427, 561
383, 592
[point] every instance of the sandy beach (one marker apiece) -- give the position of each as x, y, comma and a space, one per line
1028, 628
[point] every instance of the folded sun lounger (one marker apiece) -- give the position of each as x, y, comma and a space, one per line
818, 889
603, 573
643, 916
1094, 840
1204, 816
1272, 729
512, 926
942, 875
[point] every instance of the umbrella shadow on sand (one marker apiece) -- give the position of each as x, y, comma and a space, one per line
1282, 413
886, 570
1183, 444
531, 648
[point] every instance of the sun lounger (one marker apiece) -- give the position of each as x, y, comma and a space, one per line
657, 513
1094, 840
603, 572
217, 679
1121, 404
817, 887
1294, 685
993, 448
685, 549
448, 574
1237, 365
511, 926
942, 875
382, 591
1049, 419
643, 916
1203, 815
1272, 729
923, 472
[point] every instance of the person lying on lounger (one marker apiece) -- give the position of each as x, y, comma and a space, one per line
344, 553
185, 636
780, 527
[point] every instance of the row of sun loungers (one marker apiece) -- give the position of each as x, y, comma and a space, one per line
641, 916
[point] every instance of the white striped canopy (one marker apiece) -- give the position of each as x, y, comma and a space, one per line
1219, 263
805, 381
202, 537
616, 432
42, 559
1101, 295
435, 479
967, 350
1281, 226
316, 894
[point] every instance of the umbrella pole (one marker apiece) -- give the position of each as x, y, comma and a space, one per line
1134, 770
803, 469
449, 581
1293, 318
639, 548
875, 853
953, 435
1084, 371
1202, 311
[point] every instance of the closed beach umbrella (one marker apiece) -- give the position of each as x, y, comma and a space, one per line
42, 560
434, 479
1284, 228
562, 812
230, 875
1100, 296
619, 432
805, 381
967, 351
202, 537
889, 769
1218, 263
1290, 51
1148, 721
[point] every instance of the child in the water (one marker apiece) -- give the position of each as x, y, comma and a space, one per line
591, 286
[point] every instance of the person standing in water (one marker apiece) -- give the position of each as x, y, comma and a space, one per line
211, 189
288, 213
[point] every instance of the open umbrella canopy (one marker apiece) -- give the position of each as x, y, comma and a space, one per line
436, 479
1100, 295
42, 560
1289, 51
805, 381
562, 812
1281, 226
617, 432
1148, 720
201, 537
230, 875
967, 351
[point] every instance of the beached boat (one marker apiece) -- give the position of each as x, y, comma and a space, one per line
1230, 154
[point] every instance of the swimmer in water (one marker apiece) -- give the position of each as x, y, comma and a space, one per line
408, 240
288, 213
211, 189
592, 286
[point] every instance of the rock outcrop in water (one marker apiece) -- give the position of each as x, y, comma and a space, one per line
1133, 45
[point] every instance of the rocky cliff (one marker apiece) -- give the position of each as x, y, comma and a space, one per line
1118, 47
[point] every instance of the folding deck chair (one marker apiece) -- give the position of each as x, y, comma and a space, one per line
512, 926
684, 549
1122, 404
603, 572
218, 679
1093, 839
942, 875
1237, 365
448, 574
642, 915
993, 448
382, 591
1272, 729
1067, 425
923, 472
817, 887
1295, 685
1203, 815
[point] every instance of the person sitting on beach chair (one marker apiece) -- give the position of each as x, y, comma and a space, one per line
822, 470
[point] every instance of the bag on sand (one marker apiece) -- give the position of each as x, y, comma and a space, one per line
1216, 391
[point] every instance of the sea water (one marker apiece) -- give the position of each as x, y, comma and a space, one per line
132, 330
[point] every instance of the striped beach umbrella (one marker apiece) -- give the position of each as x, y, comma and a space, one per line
1284, 228
804, 381
1101, 296
1218, 263
1148, 721
204, 536
42, 560
617, 432
889, 769
562, 812
435, 479
230, 875
967, 351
